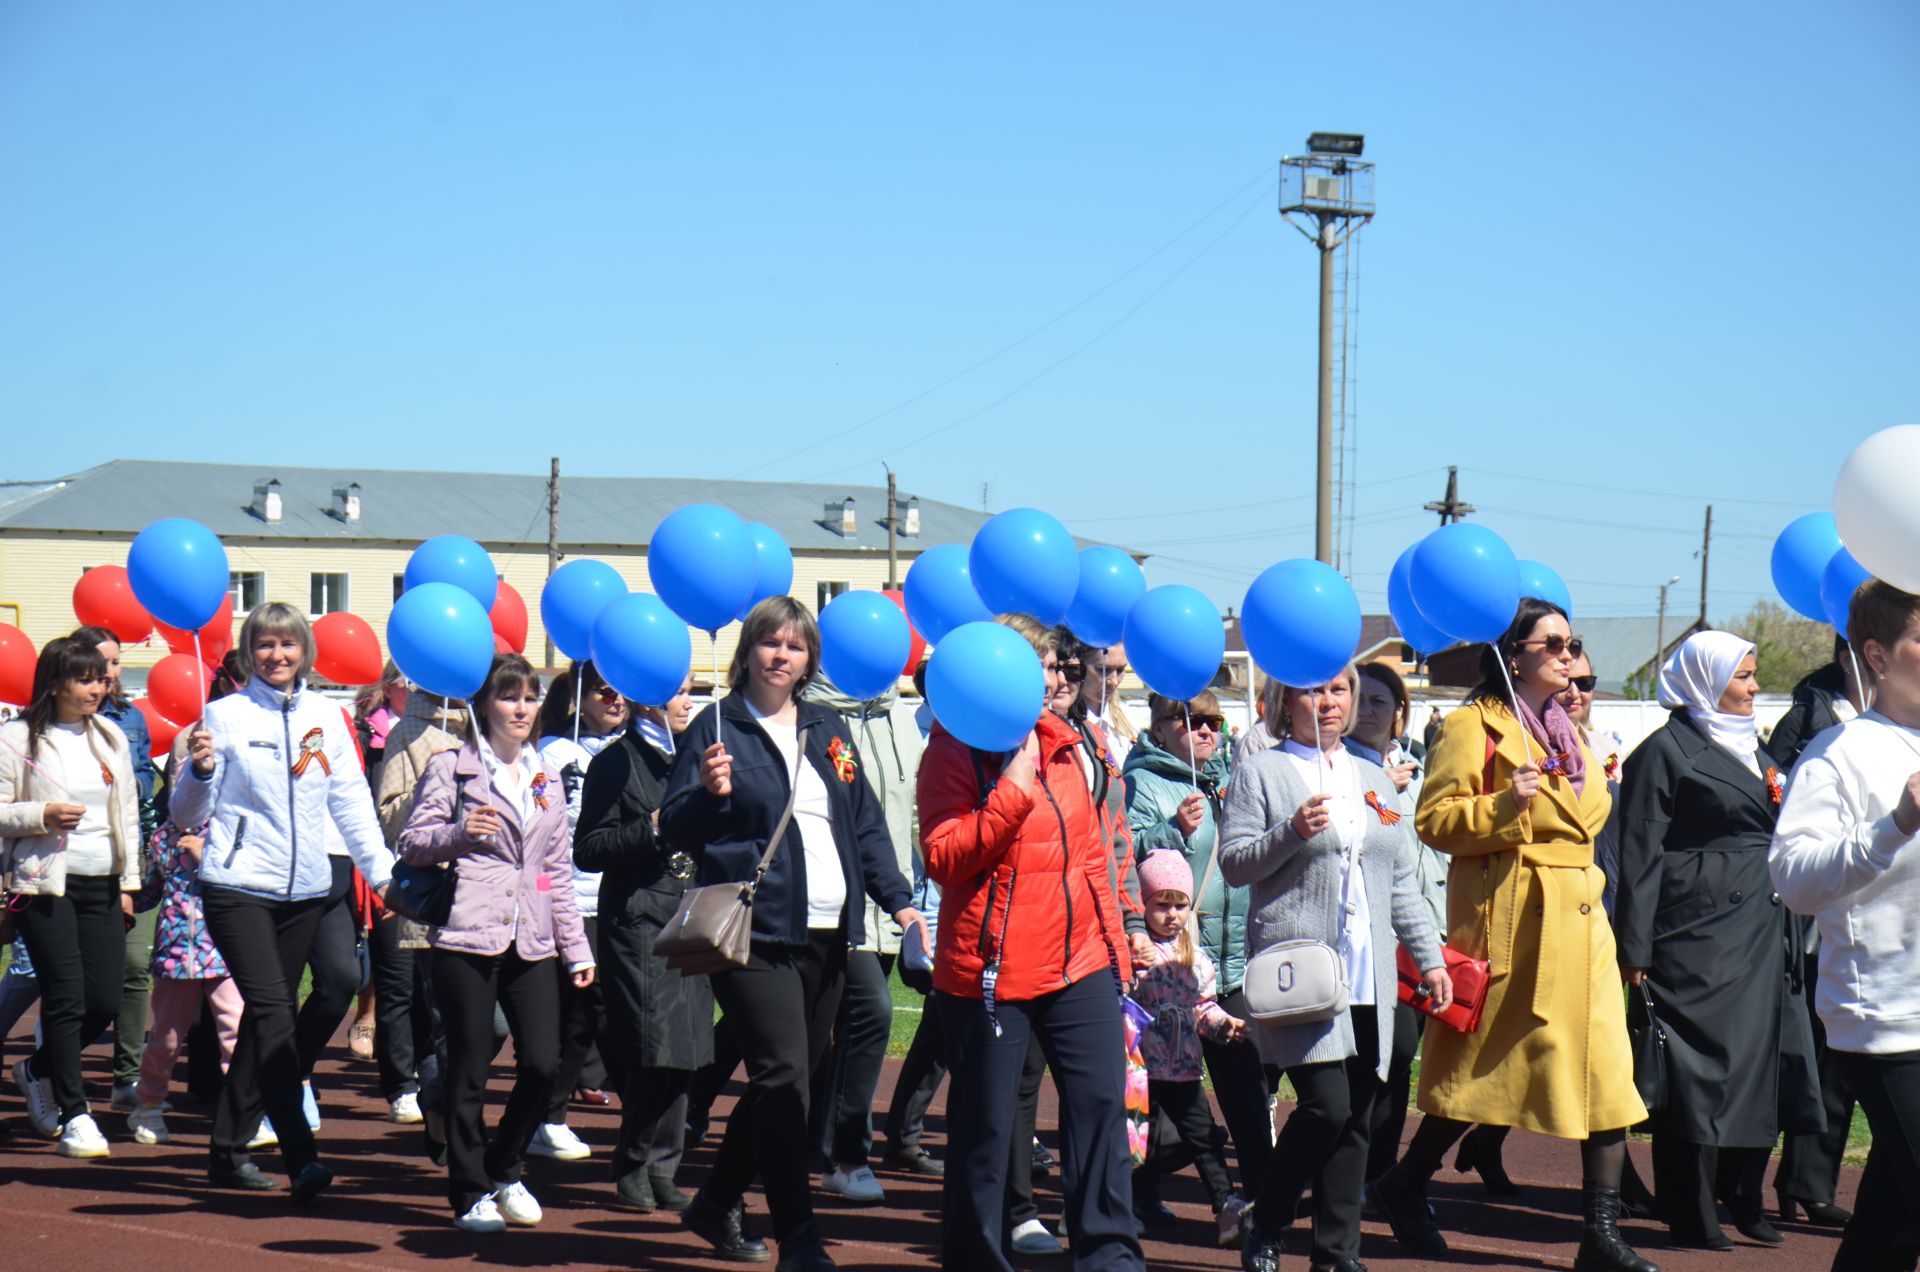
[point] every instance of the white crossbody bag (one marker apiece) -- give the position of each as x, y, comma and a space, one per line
1302, 981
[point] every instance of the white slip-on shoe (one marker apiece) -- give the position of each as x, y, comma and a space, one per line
556, 1139
1032, 1237
264, 1137
38, 1091
857, 1184
81, 1137
149, 1125
516, 1204
405, 1109
482, 1216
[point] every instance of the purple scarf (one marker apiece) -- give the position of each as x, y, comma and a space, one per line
1557, 738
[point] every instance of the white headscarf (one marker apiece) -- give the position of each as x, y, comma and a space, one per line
1696, 677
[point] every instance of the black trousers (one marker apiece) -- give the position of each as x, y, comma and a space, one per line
843, 1086
78, 943
653, 1122
402, 1019
921, 1074
335, 960
1080, 1035
467, 987
1390, 1110
1242, 1085
1324, 1145
583, 1018
1810, 1160
1885, 1232
265, 944
780, 1009
1026, 1118
712, 1077
1688, 1178
1185, 1108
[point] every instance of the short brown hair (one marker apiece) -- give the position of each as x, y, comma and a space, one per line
1382, 674
509, 671
1283, 727
1880, 612
774, 614
277, 618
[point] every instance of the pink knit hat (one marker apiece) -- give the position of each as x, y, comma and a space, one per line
1165, 871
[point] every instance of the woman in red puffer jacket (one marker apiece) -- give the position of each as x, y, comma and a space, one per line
1030, 943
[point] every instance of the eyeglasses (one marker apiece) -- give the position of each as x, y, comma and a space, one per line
1216, 723
1585, 684
607, 694
1554, 645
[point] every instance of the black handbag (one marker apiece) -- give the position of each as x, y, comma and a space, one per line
423, 893
1649, 1039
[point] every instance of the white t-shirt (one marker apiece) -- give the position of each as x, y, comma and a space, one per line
89, 845
826, 882
1339, 777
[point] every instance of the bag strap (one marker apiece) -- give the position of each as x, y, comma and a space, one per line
786, 815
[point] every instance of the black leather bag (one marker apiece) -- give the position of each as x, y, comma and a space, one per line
423, 893
1649, 1039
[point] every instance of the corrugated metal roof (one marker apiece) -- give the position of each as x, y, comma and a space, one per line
124, 495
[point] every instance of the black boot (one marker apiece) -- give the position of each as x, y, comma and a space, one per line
665, 1195
801, 1251
1400, 1196
1601, 1247
635, 1191
725, 1230
1480, 1150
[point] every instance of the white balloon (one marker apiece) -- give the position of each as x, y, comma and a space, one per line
1876, 503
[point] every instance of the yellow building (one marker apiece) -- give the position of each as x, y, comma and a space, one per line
338, 539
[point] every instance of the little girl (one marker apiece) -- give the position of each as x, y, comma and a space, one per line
1177, 986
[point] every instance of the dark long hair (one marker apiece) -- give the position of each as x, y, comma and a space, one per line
556, 712
64, 659
96, 637
509, 671
1493, 681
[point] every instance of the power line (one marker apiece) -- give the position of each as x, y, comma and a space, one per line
1663, 494
1211, 509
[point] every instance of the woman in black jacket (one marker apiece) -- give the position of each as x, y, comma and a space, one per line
659, 1021
744, 761
1699, 924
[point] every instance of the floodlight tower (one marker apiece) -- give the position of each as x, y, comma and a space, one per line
1327, 194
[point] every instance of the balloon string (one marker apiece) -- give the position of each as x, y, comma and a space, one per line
1321, 764
1513, 695
713, 645
1191, 767
1860, 681
202, 680
579, 679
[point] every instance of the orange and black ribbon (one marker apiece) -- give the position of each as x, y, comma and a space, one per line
1775, 787
539, 789
1612, 767
843, 762
1387, 816
106, 774
313, 747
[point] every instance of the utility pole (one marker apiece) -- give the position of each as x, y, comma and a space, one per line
1660, 638
553, 531
1450, 508
893, 551
1706, 546
1331, 192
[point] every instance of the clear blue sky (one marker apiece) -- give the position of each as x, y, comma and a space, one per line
1628, 257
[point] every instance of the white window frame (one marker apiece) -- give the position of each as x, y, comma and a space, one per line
342, 602
236, 588
827, 590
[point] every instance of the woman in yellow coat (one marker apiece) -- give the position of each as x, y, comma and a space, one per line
1508, 798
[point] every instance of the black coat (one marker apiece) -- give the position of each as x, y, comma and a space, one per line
1810, 715
727, 836
1697, 909
656, 1017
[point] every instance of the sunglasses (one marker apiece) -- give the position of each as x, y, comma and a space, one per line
1554, 645
1072, 671
1215, 722
607, 694
1585, 684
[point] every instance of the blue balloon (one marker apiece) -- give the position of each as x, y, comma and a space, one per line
642, 648
864, 641
179, 572
1110, 582
1024, 562
440, 636
1466, 582
985, 686
571, 603
773, 565
1838, 582
940, 593
1301, 621
455, 559
1415, 630
1175, 641
703, 564
1543, 583
1800, 558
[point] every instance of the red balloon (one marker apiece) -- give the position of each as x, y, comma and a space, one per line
178, 686
216, 638
104, 598
17, 657
509, 615
918, 650
159, 728
500, 645
345, 650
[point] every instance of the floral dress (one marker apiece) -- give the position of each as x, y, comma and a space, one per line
182, 948
1180, 1000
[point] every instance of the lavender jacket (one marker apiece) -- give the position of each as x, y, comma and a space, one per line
516, 889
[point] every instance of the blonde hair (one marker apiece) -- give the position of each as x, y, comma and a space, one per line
1038, 634
1184, 946
1281, 727
277, 618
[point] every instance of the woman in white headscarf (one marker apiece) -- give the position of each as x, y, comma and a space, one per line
1698, 925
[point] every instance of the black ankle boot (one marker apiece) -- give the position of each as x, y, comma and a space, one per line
1481, 1151
1601, 1247
1400, 1196
801, 1251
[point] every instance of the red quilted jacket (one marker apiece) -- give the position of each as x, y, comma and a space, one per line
1024, 874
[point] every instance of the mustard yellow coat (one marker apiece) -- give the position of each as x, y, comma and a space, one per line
1551, 1054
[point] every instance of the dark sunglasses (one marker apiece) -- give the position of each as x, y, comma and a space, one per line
1554, 645
1194, 724
1585, 684
1072, 671
607, 694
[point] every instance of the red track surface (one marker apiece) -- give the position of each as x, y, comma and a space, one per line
147, 1209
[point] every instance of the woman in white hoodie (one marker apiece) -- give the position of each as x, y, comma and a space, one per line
1847, 851
269, 766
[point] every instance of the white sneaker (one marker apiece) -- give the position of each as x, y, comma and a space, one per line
41, 1109
82, 1138
857, 1184
405, 1109
1231, 1218
149, 1125
556, 1139
482, 1216
125, 1098
1032, 1237
516, 1204
264, 1137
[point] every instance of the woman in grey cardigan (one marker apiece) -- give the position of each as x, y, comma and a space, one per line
1312, 831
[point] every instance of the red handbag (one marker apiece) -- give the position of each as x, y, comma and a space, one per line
1469, 989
